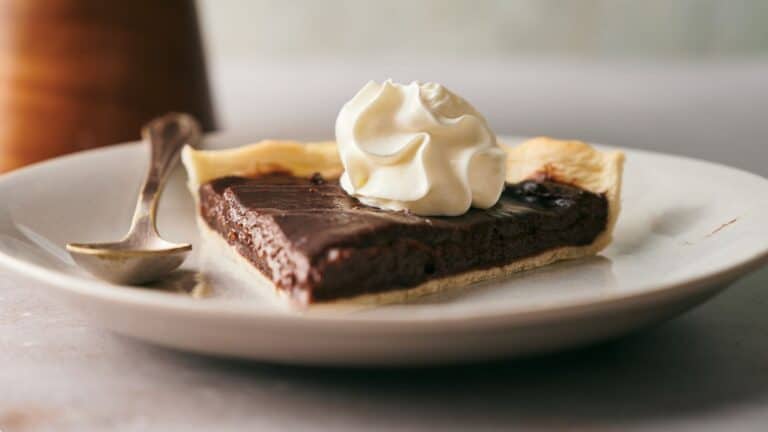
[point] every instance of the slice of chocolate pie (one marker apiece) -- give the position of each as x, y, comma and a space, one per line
278, 207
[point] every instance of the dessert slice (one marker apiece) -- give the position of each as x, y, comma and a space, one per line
278, 208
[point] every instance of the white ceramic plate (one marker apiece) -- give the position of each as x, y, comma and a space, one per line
688, 228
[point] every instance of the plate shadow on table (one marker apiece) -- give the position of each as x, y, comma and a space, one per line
698, 363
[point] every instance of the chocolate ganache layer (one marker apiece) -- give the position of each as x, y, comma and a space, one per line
318, 244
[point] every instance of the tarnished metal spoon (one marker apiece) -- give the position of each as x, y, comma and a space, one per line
142, 256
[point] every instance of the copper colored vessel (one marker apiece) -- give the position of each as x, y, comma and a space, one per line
78, 74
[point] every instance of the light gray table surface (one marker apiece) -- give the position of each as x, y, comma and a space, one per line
707, 370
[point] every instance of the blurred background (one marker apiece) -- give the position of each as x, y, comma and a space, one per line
680, 76
461, 29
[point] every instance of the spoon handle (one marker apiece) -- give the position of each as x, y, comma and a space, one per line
166, 136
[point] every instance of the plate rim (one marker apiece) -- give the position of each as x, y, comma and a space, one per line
233, 310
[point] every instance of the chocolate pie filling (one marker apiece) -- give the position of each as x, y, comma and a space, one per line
317, 243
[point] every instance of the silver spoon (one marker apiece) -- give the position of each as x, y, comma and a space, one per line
142, 256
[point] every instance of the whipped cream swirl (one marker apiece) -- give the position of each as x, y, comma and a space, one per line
418, 147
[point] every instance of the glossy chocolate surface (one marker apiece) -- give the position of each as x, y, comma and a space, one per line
318, 243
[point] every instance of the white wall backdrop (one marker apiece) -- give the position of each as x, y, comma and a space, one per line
439, 28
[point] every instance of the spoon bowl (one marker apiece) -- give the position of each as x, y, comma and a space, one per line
121, 263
